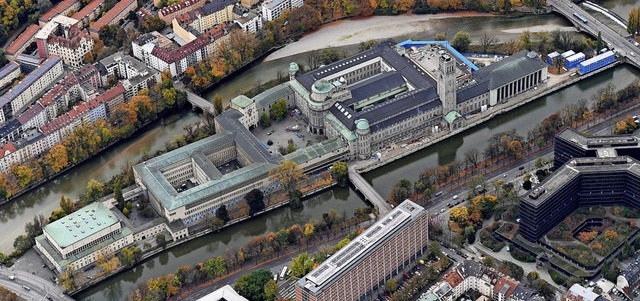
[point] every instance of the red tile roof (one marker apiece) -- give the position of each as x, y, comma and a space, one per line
453, 278
171, 56
22, 39
9, 147
62, 6
49, 99
184, 5
111, 93
112, 13
30, 113
502, 282
85, 11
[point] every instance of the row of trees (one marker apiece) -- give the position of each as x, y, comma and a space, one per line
259, 248
482, 207
626, 126
633, 26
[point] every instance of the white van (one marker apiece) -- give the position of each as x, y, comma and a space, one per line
284, 271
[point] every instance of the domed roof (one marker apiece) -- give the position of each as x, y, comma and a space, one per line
322, 86
362, 124
293, 67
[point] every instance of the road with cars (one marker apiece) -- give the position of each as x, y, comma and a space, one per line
31, 287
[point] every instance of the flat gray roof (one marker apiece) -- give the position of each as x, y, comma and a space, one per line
367, 242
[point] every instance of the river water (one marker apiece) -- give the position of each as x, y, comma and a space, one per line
44, 200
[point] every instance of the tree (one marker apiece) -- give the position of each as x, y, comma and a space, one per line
57, 159
511, 46
265, 120
217, 104
215, 267
340, 173
634, 21
289, 174
24, 174
599, 42
291, 147
68, 280
222, 213
461, 41
67, 205
525, 40
129, 256
161, 240
279, 109
271, 290
215, 224
152, 23
341, 244
7, 295
117, 193
441, 36
301, 265
533, 275
251, 286
400, 191
544, 288
170, 96
460, 215
255, 200
391, 285
472, 156
94, 191
486, 41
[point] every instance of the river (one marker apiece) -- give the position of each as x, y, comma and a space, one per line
118, 287
45, 199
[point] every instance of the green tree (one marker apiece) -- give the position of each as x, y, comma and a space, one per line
544, 288
400, 191
271, 290
215, 267
291, 148
117, 193
343, 243
340, 173
24, 174
265, 120
95, 190
152, 23
129, 256
295, 199
222, 213
161, 240
279, 109
301, 265
533, 275
216, 224
441, 36
255, 200
599, 42
251, 286
461, 41
170, 96
57, 158
217, 104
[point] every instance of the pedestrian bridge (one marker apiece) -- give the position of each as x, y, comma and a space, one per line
369, 193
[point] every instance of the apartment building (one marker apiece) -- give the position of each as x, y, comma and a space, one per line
113, 16
26, 91
177, 60
59, 128
61, 9
21, 43
272, 9
168, 13
89, 12
63, 37
363, 266
132, 73
191, 24
249, 22
8, 73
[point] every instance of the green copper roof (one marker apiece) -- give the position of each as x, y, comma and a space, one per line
451, 116
321, 86
362, 124
344, 131
241, 101
270, 96
81, 224
293, 67
315, 151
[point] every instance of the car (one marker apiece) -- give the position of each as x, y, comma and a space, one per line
632, 54
449, 205
442, 210
455, 197
504, 175
521, 168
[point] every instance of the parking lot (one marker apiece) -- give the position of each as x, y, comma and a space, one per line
279, 136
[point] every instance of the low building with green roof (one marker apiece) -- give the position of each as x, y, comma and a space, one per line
76, 240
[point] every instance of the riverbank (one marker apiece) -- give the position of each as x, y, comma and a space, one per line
356, 30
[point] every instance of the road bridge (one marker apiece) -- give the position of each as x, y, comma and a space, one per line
369, 192
623, 47
610, 14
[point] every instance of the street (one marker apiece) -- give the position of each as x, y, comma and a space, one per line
39, 288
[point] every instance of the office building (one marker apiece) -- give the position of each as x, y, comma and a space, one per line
363, 266
63, 37
272, 9
570, 144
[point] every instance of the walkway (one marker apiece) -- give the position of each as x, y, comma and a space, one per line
369, 192
196, 100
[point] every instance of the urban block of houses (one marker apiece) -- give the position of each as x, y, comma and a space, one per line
21, 43
9, 73
176, 61
471, 275
113, 16
63, 37
249, 21
133, 74
272, 9
167, 14
190, 25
